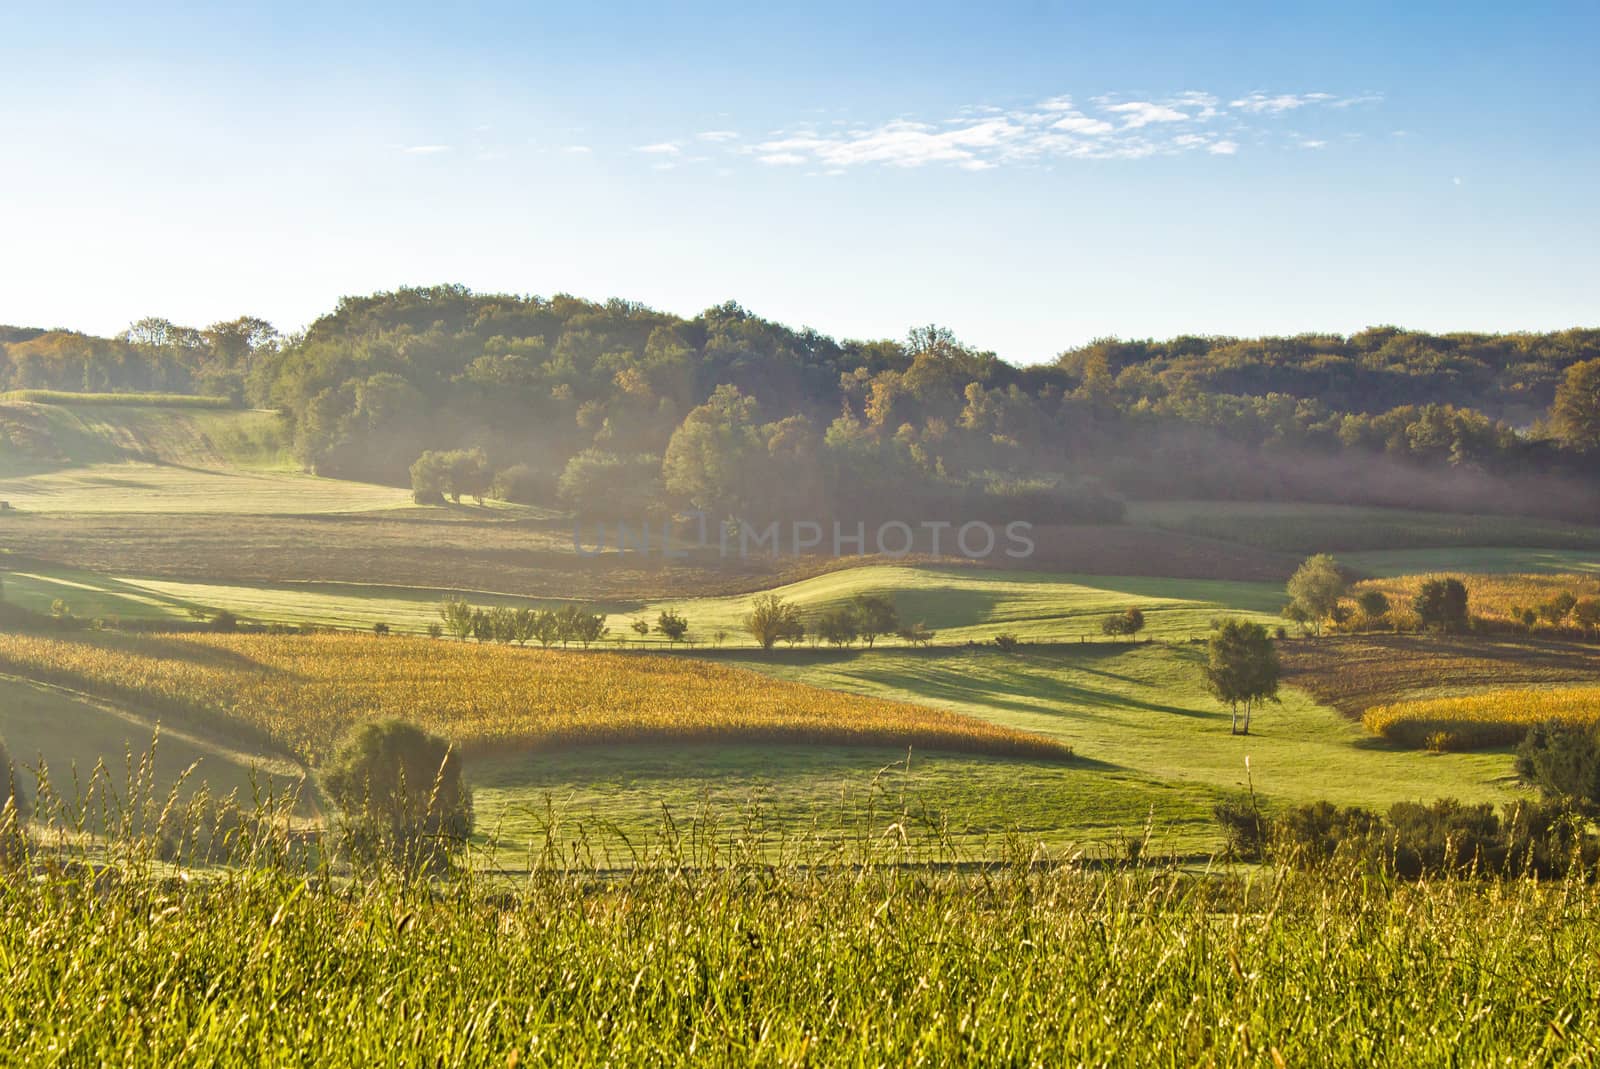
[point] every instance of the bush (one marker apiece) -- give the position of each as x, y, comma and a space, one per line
224, 621
1007, 641
1563, 761
1244, 829
401, 794
523, 485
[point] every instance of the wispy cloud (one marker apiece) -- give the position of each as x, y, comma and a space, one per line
1139, 113
982, 137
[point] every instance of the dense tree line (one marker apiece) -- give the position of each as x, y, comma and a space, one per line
617, 409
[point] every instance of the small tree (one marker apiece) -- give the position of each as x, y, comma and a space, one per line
837, 627
400, 793
1242, 668
672, 625
1442, 604
1315, 588
546, 627
1007, 641
875, 615
640, 628
429, 476
1129, 623
380, 629
1374, 606
1587, 614
457, 617
917, 634
1556, 609
771, 619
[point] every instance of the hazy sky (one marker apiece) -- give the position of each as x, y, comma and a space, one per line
1032, 175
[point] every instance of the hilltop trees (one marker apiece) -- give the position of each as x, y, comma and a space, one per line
1242, 668
1575, 415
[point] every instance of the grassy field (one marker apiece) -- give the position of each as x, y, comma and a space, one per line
1143, 711
163, 459
1305, 529
963, 604
65, 735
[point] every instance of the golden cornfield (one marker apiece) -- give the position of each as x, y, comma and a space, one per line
1490, 596
301, 692
1488, 718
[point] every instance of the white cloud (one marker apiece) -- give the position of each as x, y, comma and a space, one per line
1140, 113
425, 150
981, 137
1082, 124
1264, 104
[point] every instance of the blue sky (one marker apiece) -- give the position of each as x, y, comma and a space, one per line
1032, 175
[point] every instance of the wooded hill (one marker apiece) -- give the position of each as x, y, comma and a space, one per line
616, 405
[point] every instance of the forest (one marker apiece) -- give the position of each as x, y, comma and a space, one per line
617, 409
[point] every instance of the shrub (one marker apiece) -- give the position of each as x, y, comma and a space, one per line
672, 625
1563, 761
1442, 604
523, 485
1007, 641
224, 622
1244, 829
401, 794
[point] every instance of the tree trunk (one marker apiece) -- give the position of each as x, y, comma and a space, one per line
1233, 729
1247, 707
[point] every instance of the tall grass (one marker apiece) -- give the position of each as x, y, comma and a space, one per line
708, 947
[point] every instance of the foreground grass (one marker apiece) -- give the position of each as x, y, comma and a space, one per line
300, 693
703, 954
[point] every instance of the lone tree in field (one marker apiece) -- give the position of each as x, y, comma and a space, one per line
1441, 604
1242, 668
401, 795
1128, 623
1314, 591
672, 625
875, 615
771, 620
